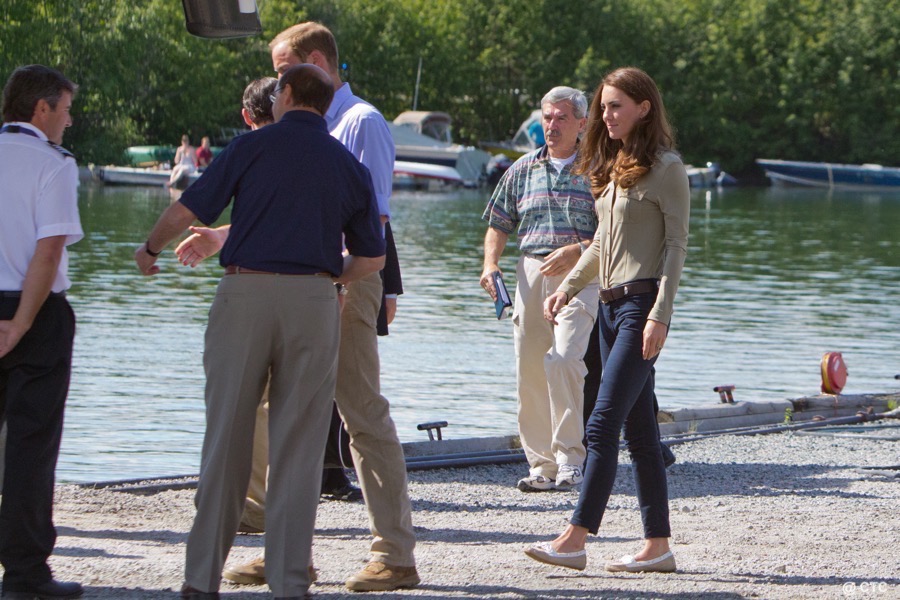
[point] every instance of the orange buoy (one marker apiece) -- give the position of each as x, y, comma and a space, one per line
834, 373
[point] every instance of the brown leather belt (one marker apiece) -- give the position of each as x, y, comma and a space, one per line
639, 286
235, 270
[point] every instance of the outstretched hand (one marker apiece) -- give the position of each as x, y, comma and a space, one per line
200, 245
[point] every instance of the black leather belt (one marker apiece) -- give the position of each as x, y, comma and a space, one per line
19, 294
639, 286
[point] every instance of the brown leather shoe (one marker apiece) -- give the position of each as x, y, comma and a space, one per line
345, 493
251, 573
189, 593
247, 528
379, 577
254, 573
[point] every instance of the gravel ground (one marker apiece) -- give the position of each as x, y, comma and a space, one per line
786, 515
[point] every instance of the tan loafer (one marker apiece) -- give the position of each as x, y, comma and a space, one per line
664, 563
544, 552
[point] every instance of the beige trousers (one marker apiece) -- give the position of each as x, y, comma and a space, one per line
377, 453
255, 506
291, 326
550, 369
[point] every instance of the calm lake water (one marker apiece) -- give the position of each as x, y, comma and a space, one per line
774, 279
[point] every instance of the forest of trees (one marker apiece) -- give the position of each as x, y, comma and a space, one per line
799, 79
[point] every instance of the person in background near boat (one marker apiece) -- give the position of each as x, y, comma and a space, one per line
204, 154
639, 252
185, 163
374, 445
553, 211
37, 326
276, 314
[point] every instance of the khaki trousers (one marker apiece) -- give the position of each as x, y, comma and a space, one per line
550, 369
288, 324
255, 507
377, 453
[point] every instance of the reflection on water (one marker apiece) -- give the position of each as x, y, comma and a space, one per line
774, 279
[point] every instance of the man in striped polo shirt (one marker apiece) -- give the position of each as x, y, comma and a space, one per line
552, 211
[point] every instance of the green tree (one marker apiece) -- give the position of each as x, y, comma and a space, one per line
809, 79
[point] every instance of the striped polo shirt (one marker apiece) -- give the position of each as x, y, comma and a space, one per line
549, 209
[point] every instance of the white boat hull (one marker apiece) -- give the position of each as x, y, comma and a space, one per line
137, 176
425, 176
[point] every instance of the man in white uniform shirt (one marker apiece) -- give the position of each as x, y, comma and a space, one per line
39, 203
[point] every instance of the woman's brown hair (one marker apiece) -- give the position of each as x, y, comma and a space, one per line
604, 159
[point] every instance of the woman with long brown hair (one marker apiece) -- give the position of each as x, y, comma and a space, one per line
643, 205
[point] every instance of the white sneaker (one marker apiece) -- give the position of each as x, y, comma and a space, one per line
535, 483
568, 476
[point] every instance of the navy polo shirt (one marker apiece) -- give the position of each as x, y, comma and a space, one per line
296, 190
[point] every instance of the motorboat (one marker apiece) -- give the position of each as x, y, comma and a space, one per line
433, 124
425, 176
149, 156
524, 141
425, 137
146, 176
865, 177
711, 175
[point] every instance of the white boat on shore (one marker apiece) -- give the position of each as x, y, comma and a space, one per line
425, 176
425, 137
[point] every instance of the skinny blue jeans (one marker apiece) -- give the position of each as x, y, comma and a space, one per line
625, 400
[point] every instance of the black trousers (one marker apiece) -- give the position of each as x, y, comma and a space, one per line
34, 382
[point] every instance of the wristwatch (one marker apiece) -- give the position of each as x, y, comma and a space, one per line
341, 289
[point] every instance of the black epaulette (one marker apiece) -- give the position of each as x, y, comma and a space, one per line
17, 129
61, 150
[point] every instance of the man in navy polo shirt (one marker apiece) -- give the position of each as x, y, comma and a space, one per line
296, 191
